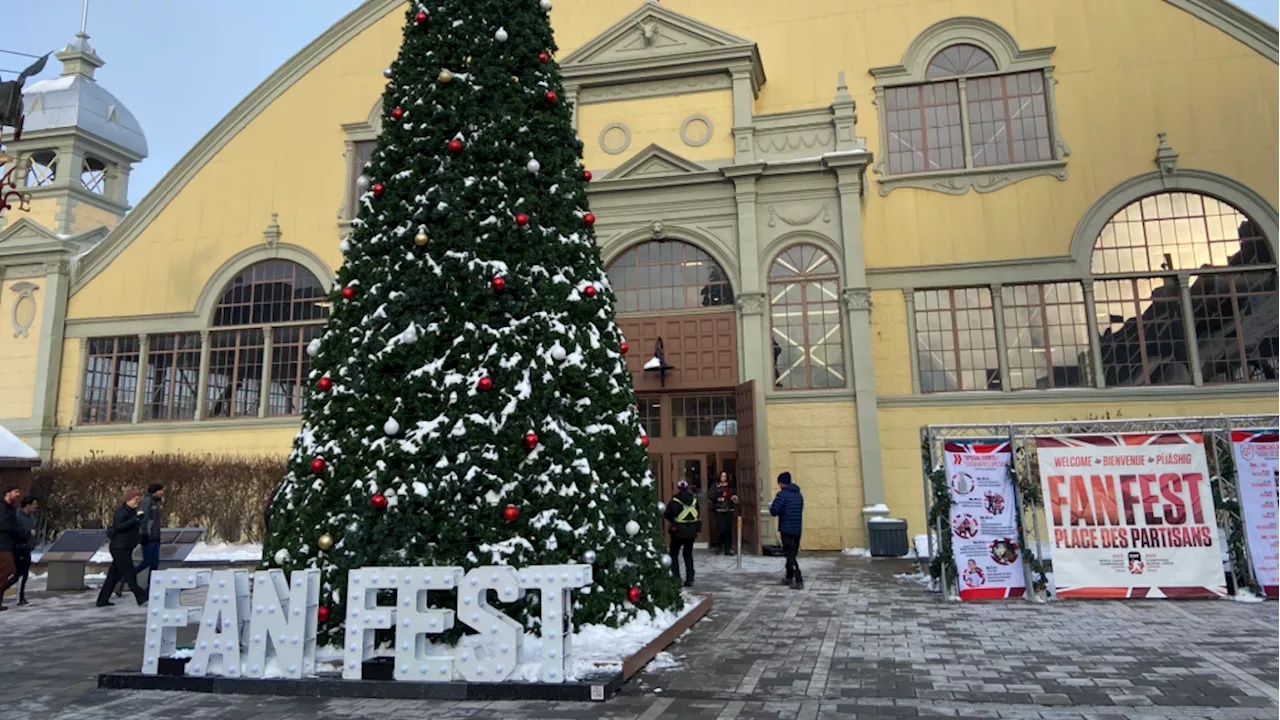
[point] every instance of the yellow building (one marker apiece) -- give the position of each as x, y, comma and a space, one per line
844, 219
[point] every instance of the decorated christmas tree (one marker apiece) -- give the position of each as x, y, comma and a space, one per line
469, 403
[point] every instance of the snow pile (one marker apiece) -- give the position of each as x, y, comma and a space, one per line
1245, 595
918, 578
877, 509
856, 552
921, 543
207, 553
12, 447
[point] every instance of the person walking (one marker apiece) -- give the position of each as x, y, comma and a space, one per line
26, 519
10, 536
788, 507
724, 505
150, 530
681, 515
125, 536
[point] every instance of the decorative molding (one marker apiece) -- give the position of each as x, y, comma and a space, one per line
795, 140
1249, 202
1166, 157
181, 426
960, 181
1021, 270
751, 303
658, 231
1254, 390
776, 396
1236, 22
24, 309
271, 235
684, 130
989, 36
615, 149
357, 21
856, 299
654, 88
213, 288
775, 215
654, 161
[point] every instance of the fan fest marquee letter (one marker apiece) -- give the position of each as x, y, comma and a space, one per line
239, 637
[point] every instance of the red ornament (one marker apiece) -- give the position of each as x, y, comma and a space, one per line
543, 57
455, 145
318, 465
644, 440
485, 384
624, 347
522, 220
531, 439
499, 283
589, 291
325, 384
589, 219
633, 594
420, 19
378, 189
378, 501
322, 613
510, 513
552, 97
586, 175
348, 293
397, 113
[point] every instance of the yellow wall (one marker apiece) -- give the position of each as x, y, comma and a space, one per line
18, 355
68, 381
44, 212
657, 121
891, 349
86, 217
816, 443
210, 440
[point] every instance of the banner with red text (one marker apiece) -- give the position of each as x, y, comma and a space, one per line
1257, 454
984, 526
1131, 516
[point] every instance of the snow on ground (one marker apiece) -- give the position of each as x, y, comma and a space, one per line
1245, 595
203, 552
921, 579
856, 552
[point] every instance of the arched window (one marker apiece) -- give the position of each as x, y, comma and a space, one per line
668, 275
1171, 263
804, 302
266, 317
960, 59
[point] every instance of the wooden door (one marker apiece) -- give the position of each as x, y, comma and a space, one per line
693, 470
748, 481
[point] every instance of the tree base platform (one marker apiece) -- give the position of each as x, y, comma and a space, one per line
598, 688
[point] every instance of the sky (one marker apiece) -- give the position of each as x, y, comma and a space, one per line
181, 65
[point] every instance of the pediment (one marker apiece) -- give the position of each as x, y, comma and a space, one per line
655, 37
26, 237
655, 161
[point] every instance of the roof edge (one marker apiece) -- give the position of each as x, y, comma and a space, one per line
276, 84
1237, 22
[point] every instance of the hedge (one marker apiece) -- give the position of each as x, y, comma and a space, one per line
225, 494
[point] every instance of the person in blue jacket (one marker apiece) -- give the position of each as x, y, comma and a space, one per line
788, 507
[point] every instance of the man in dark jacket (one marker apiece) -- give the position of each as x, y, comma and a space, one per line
788, 507
150, 529
11, 536
26, 518
724, 503
683, 525
125, 535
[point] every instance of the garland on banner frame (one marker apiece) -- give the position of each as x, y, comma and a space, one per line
1229, 509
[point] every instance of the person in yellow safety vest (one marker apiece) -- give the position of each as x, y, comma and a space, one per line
683, 526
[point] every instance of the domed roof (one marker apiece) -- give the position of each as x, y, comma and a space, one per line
75, 99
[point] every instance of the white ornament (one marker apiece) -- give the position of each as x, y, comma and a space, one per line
362, 183
387, 73
313, 347
666, 561
558, 353
391, 427
282, 556
632, 527
501, 35
662, 507
345, 246
589, 557
534, 166
544, 4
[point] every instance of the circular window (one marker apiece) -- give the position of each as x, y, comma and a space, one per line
615, 138
696, 130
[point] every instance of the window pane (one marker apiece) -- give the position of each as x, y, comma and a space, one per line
1008, 119
808, 339
923, 128
703, 416
668, 275
956, 340
1236, 326
1178, 231
273, 291
1047, 336
173, 368
235, 373
110, 380
290, 368
960, 59
1141, 332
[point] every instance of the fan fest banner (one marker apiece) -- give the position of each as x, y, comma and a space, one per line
1131, 516
984, 528
1257, 456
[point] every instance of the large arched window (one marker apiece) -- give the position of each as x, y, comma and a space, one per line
1171, 263
804, 303
266, 317
668, 275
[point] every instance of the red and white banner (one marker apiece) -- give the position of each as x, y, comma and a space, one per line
984, 526
1257, 454
1131, 516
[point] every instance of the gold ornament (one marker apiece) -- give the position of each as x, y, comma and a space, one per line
515, 78
325, 542
445, 77
468, 59
421, 238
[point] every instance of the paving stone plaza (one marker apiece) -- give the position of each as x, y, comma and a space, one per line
858, 643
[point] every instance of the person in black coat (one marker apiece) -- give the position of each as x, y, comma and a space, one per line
125, 534
26, 522
788, 507
681, 515
11, 536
